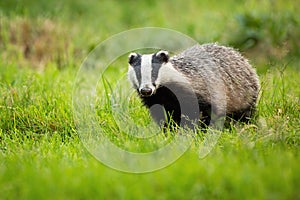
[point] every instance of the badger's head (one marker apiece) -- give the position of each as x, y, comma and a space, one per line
144, 71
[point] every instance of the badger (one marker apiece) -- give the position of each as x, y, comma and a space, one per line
203, 83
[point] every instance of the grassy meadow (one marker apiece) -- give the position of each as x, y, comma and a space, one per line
42, 45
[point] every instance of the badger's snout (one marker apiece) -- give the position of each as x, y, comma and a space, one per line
146, 91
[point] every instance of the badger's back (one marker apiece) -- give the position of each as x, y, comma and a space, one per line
221, 76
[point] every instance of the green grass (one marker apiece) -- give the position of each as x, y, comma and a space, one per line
42, 45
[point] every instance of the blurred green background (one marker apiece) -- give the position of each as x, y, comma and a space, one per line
43, 43
264, 29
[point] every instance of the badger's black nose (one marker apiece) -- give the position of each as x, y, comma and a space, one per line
146, 91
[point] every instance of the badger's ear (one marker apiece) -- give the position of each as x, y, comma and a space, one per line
133, 58
163, 56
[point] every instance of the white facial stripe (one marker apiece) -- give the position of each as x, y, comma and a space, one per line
146, 68
132, 77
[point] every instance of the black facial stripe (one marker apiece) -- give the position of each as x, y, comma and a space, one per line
137, 68
156, 65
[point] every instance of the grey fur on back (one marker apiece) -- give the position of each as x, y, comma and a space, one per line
213, 70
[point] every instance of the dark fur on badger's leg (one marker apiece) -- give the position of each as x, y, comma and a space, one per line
169, 102
171, 107
243, 116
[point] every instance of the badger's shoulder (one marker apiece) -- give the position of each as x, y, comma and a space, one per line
192, 60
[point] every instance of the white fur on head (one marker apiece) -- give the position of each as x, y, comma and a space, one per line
168, 74
146, 68
132, 77
131, 73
